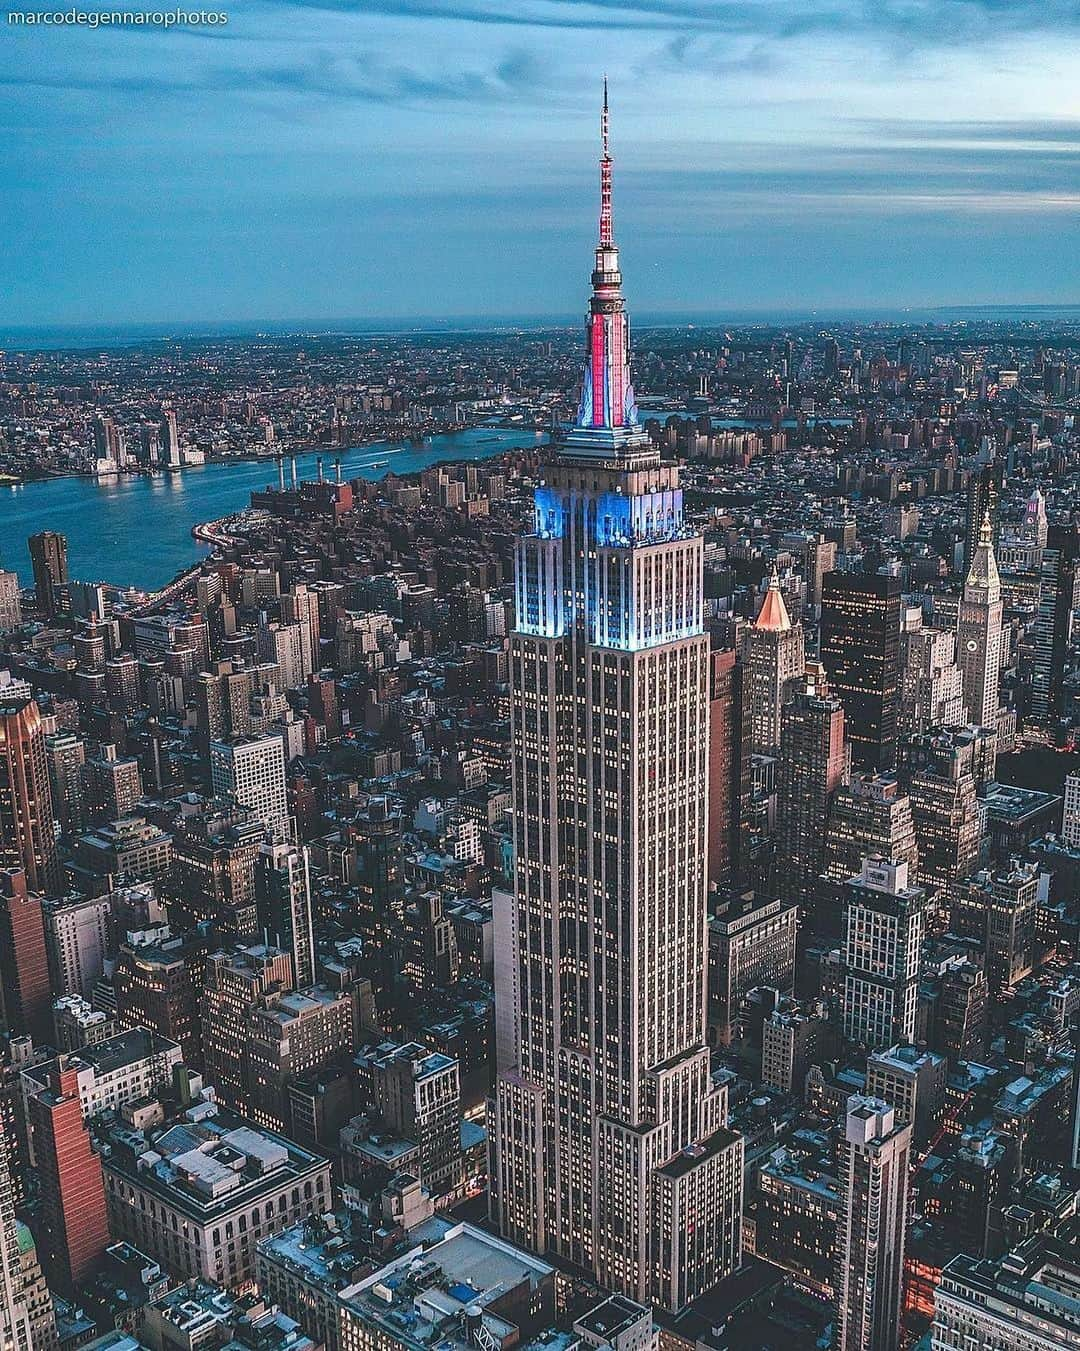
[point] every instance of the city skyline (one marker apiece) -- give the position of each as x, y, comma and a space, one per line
561, 840
295, 163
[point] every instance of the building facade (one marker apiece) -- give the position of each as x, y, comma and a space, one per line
773, 658
812, 767
48, 559
73, 1223
880, 955
873, 1176
212, 1191
251, 769
860, 650
1024, 1301
611, 1083
25, 984
283, 905
16, 1332
27, 838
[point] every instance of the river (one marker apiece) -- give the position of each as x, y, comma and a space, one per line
135, 530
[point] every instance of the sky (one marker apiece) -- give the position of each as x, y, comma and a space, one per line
322, 160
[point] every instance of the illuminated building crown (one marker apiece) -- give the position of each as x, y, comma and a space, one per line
607, 425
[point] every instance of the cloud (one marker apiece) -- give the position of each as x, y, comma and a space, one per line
359, 131
910, 22
1058, 135
323, 71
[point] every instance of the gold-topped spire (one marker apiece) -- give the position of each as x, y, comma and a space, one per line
983, 575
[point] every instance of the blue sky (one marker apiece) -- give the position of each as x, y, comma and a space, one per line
385, 158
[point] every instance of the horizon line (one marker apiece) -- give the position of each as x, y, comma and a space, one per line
129, 330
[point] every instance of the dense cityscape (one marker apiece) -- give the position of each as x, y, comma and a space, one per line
618, 893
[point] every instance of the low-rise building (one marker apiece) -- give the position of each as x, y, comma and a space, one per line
617, 1324
130, 847
1016, 816
110, 1074
200, 1315
468, 1289
305, 1268
1028, 1300
795, 1214
200, 1192
79, 1024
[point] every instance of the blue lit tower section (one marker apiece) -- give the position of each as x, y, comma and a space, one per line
610, 1145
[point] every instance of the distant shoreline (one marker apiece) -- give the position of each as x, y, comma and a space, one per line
77, 337
329, 453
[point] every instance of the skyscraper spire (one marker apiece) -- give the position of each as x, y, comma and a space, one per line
979, 632
605, 174
606, 426
983, 574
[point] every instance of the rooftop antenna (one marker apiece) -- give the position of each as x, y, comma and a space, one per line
605, 174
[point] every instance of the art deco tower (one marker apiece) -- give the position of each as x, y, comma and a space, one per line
979, 632
610, 1146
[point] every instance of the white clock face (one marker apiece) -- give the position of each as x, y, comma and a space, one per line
972, 645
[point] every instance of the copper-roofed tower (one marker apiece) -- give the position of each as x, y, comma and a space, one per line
774, 657
610, 1144
773, 614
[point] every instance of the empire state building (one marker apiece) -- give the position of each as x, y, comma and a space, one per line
610, 1144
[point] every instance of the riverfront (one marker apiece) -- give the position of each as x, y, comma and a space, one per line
136, 529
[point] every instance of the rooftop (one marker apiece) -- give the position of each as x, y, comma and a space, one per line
108, 1057
425, 1062
206, 1162
430, 1298
1040, 1279
693, 1155
1007, 802
611, 1317
320, 1249
905, 1057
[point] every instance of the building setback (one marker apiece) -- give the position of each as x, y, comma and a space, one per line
610, 1139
